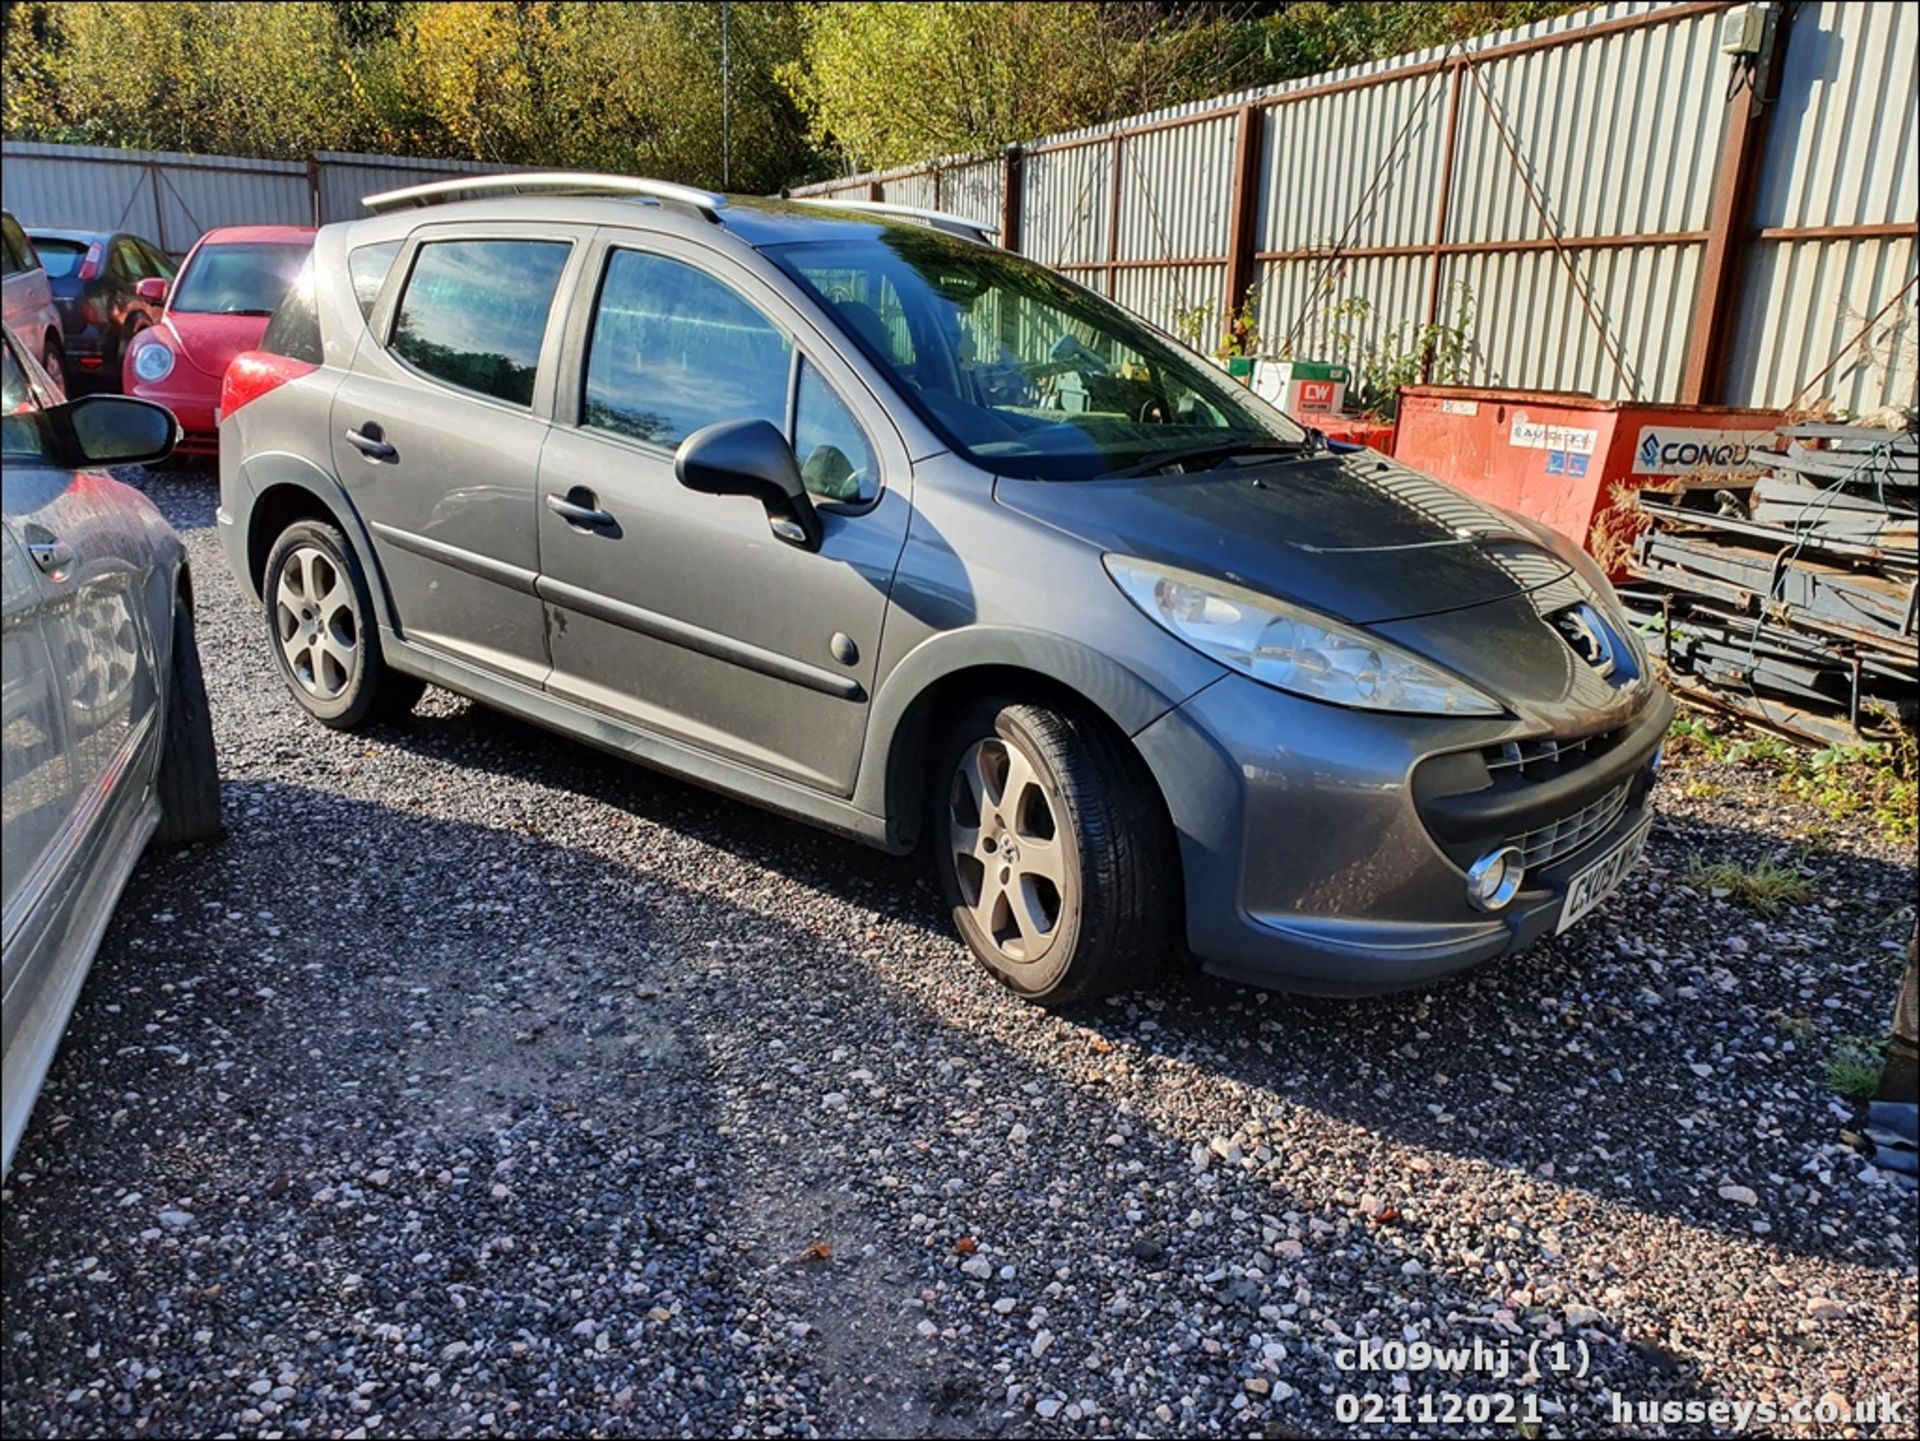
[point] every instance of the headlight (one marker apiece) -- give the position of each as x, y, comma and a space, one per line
1292, 649
153, 361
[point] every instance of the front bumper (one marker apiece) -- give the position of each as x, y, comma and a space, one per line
1313, 862
192, 407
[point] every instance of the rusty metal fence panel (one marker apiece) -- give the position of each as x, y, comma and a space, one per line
973, 190
1846, 175
1066, 205
1565, 173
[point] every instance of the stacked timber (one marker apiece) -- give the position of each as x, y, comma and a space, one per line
1788, 596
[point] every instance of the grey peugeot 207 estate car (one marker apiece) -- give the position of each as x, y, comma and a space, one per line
842, 510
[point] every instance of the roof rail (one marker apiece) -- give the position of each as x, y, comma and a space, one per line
936, 219
547, 182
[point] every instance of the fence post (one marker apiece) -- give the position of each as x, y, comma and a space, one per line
1440, 209
1743, 147
1243, 209
159, 209
313, 187
1113, 213
1010, 182
876, 191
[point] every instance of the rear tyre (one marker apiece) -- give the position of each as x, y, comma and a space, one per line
1052, 852
321, 628
189, 781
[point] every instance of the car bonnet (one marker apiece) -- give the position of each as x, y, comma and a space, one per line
1354, 536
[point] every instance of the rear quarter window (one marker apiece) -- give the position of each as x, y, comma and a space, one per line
474, 313
294, 330
367, 267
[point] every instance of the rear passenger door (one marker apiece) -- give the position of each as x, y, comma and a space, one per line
437, 432
683, 613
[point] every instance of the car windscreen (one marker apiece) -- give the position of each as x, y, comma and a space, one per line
245, 278
60, 257
1023, 372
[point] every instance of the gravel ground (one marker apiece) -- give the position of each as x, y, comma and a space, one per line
477, 1083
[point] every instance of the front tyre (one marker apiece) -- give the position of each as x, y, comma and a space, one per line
321, 629
189, 779
1052, 852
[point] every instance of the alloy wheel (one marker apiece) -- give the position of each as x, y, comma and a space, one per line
1009, 849
317, 624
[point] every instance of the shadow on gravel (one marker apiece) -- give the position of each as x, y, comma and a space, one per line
487, 1131
425, 1113
1570, 1063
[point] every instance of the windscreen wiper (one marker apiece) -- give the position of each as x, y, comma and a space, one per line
1219, 450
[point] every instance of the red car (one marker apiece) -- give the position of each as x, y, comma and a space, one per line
216, 308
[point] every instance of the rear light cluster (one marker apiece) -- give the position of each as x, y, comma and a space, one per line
253, 374
90, 267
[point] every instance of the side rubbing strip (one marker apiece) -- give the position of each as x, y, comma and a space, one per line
694, 638
485, 566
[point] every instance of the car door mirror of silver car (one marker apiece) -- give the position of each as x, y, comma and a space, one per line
751, 457
110, 430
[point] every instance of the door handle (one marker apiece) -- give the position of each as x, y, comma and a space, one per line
369, 444
574, 513
53, 555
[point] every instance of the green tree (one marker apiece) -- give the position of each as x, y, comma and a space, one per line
889, 84
885, 84
638, 87
240, 78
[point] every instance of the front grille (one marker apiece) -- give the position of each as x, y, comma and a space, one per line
1528, 758
1544, 845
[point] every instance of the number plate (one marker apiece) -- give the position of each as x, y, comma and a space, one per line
1602, 878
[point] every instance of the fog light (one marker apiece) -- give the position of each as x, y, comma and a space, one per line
1495, 879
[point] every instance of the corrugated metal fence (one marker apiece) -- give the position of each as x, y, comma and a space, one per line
171, 198
1580, 177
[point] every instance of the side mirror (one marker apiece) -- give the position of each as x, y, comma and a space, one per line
751, 457
152, 288
111, 430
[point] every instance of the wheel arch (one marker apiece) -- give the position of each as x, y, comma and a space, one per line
949, 670
287, 489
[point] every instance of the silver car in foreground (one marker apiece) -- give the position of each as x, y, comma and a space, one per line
843, 510
107, 738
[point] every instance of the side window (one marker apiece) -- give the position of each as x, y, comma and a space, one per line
475, 312
122, 263
294, 330
673, 349
836, 462
368, 265
158, 262
12, 246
